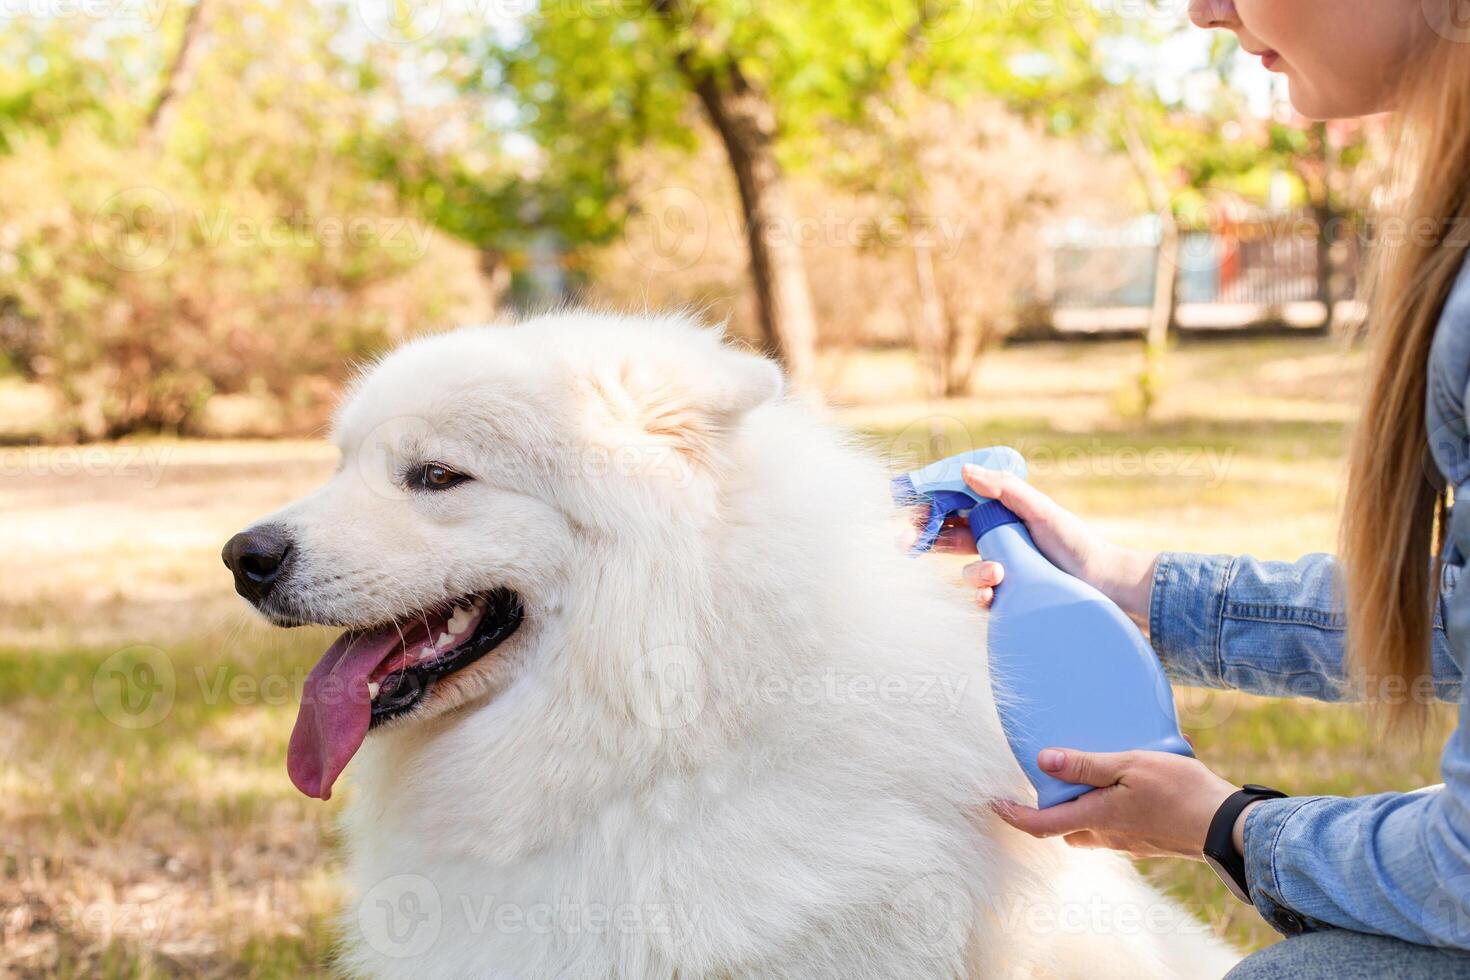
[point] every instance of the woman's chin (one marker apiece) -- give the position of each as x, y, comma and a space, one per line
1319, 105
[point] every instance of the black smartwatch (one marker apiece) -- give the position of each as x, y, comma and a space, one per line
1220, 852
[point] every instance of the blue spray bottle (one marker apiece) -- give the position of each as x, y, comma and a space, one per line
1069, 667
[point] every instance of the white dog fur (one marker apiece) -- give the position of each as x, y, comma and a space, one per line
739, 733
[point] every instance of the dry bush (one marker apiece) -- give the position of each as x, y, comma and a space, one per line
956, 200
137, 287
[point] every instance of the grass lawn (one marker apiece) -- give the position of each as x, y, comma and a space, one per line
146, 823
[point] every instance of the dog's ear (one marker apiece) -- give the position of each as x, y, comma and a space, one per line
749, 381
686, 400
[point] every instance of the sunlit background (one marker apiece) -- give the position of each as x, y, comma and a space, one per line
1080, 228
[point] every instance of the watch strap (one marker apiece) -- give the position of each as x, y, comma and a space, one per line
1219, 847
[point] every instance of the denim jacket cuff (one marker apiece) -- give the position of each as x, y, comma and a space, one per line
1186, 610
1264, 825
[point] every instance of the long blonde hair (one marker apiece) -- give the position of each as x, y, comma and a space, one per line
1393, 504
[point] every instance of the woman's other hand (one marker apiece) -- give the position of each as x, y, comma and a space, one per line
1150, 804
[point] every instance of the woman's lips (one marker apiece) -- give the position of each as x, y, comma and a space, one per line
1269, 58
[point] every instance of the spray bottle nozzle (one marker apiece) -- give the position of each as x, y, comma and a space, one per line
942, 486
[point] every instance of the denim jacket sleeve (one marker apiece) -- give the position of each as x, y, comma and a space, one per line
1266, 627
1396, 864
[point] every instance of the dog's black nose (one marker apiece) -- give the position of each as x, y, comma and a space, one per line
257, 557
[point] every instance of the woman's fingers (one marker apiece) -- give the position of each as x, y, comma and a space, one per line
1065, 818
1084, 838
1087, 768
983, 573
1028, 503
983, 576
1082, 814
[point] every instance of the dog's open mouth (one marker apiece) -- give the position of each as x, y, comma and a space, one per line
370, 676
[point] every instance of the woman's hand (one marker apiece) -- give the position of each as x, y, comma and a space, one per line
1151, 804
1124, 575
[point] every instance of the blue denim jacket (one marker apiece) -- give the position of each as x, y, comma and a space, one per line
1397, 864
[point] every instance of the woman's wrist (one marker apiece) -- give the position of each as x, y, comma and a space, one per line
1237, 833
1131, 580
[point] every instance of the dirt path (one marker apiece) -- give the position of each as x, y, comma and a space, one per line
123, 540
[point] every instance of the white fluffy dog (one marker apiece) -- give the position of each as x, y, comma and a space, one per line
653, 692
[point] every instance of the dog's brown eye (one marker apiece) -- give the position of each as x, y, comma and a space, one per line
437, 476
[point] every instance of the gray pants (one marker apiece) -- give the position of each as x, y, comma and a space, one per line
1341, 955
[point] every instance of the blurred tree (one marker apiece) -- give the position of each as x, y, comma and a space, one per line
1319, 156
258, 248
778, 84
961, 192
48, 80
1096, 75
474, 197
744, 116
263, 115
595, 87
179, 75
937, 141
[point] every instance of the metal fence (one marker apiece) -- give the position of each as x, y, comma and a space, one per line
1267, 263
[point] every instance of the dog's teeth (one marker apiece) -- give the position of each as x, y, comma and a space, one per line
444, 640
459, 620
426, 652
373, 688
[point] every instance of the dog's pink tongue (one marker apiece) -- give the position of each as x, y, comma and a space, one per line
336, 709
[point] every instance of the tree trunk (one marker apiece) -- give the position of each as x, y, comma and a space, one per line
746, 124
969, 337
745, 120
1326, 220
495, 273
1319, 192
1162, 311
931, 336
178, 79
1165, 304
